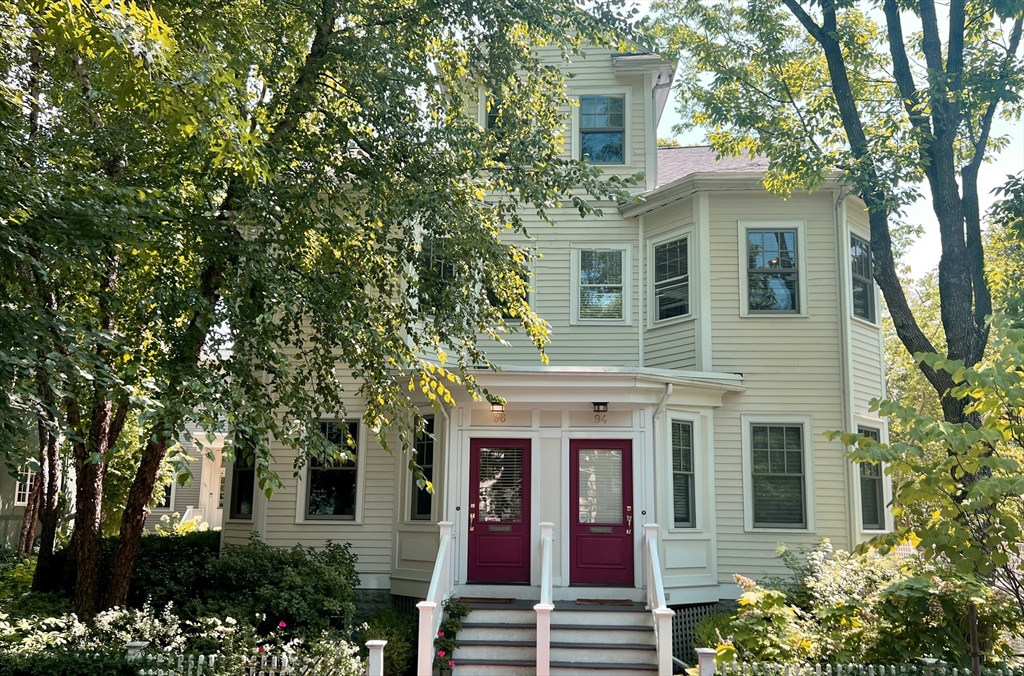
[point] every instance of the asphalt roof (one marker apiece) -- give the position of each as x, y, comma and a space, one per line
676, 162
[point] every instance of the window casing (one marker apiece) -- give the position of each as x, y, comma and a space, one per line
863, 280
671, 264
422, 501
166, 498
872, 489
23, 489
602, 284
331, 488
243, 483
773, 271
777, 476
683, 483
436, 273
603, 128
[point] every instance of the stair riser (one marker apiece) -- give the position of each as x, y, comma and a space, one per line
495, 652
503, 616
470, 633
488, 670
596, 635
565, 671
584, 656
591, 619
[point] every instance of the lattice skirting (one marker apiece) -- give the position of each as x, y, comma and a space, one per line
683, 625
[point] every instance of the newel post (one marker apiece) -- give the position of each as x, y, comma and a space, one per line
135, 649
376, 661
706, 662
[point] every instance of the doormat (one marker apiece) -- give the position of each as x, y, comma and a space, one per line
603, 602
481, 599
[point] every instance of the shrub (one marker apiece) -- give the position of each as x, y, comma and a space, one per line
173, 568
711, 631
309, 590
65, 662
399, 630
447, 636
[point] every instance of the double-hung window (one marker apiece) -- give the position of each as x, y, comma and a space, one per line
863, 283
421, 499
332, 484
601, 284
243, 481
682, 474
872, 489
778, 476
166, 496
773, 276
672, 279
436, 273
603, 129
26, 482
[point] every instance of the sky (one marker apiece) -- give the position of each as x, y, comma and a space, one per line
923, 256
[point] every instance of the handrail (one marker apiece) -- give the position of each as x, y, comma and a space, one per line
431, 609
546, 605
656, 600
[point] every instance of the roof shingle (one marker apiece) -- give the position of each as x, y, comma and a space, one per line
676, 162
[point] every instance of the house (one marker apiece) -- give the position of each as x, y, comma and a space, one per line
202, 495
14, 492
704, 340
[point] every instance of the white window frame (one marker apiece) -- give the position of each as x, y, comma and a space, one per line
876, 299
747, 421
698, 469
411, 480
801, 262
170, 502
574, 132
882, 427
689, 234
627, 286
361, 472
31, 477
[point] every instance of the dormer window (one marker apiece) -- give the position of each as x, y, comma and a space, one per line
603, 129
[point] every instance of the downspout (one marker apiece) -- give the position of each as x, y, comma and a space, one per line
669, 387
642, 282
846, 394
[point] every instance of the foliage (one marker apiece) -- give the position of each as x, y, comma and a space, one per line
310, 590
671, 142
399, 630
712, 630
66, 662
16, 598
173, 569
171, 525
973, 476
447, 635
867, 608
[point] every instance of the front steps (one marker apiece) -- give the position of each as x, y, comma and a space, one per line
499, 639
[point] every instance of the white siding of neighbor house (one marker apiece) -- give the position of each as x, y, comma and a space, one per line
182, 497
865, 338
790, 366
672, 345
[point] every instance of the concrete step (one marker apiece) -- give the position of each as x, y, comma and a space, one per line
471, 667
492, 615
488, 650
570, 669
610, 633
603, 653
561, 618
497, 631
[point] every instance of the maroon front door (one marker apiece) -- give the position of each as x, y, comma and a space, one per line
499, 510
601, 512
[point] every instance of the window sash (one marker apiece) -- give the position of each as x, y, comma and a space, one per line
672, 291
332, 490
872, 489
862, 279
604, 297
23, 489
602, 115
243, 489
683, 479
778, 466
422, 501
165, 500
773, 256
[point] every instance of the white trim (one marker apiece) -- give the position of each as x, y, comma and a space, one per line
361, 458
701, 460
808, 466
28, 488
170, 502
650, 135
688, 233
627, 121
702, 217
882, 427
406, 483
626, 250
801, 262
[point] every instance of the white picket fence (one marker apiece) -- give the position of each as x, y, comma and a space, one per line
926, 667
161, 664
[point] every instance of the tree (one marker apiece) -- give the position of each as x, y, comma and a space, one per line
826, 85
201, 223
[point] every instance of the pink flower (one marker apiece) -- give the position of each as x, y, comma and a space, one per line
261, 648
451, 664
440, 653
440, 634
281, 625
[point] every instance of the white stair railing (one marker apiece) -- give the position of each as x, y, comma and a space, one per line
441, 588
656, 600
546, 604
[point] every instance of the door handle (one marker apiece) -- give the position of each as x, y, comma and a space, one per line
629, 524
472, 520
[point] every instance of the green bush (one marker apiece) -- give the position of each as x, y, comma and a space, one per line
309, 590
711, 631
174, 568
63, 662
399, 630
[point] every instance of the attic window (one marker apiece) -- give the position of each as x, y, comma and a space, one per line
603, 129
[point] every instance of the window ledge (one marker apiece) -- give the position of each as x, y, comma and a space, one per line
235, 519
301, 521
688, 533
874, 325
775, 315
869, 531
759, 529
599, 322
663, 323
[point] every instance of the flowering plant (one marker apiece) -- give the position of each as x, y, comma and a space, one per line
445, 642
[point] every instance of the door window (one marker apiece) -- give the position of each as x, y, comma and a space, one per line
600, 484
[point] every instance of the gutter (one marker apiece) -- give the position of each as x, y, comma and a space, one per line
669, 388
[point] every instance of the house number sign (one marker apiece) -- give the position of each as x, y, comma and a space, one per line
600, 418
498, 417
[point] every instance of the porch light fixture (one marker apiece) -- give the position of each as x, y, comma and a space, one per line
600, 407
497, 408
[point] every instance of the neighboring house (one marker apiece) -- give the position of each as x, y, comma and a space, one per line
13, 500
703, 342
202, 496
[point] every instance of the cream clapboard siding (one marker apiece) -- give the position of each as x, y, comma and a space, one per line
10, 515
790, 365
866, 360
185, 496
670, 346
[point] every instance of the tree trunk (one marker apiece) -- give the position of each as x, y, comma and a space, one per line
87, 536
47, 576
133, 521
28, 521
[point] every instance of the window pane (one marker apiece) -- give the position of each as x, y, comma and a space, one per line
670, 260
601, 302
600, 267
777, 462
773, 291
760, 436
602, 147
165, 498
421, 506
682, 449
421, 499
673, 300
242, 491
776, 438
600, 486
682, 499
860, 257
863, 299
500, 484
872, 510
760, 461
778, 501
332, 491
793, 438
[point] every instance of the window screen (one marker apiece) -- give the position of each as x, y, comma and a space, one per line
682, 474
672, 279
778, 476
332, 485
601, 284
243, 481
421, 499
772, 273
603, 129
872, 494
863, 284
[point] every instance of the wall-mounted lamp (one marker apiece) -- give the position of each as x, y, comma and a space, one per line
497, 408
600, 407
